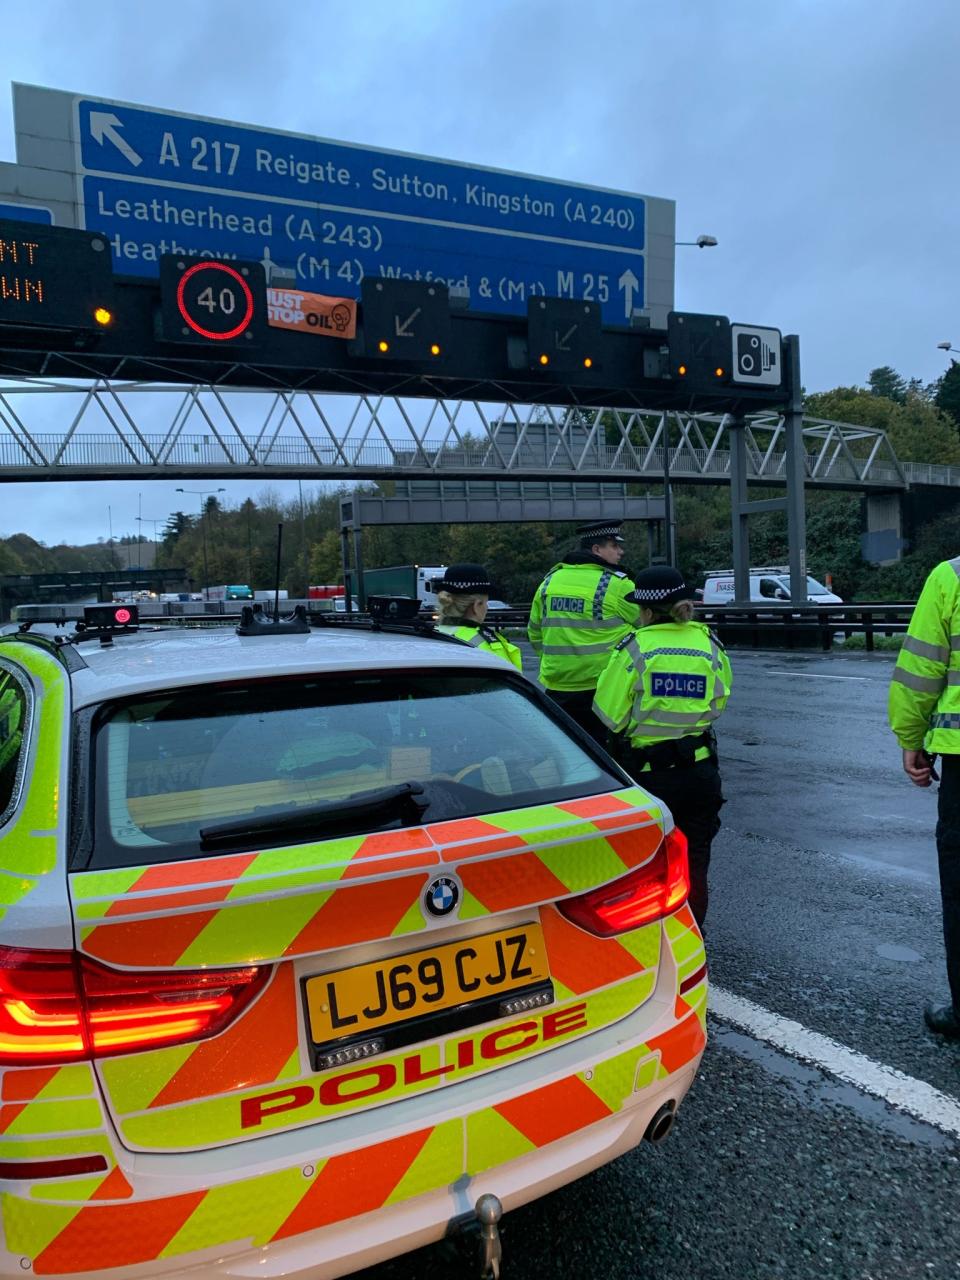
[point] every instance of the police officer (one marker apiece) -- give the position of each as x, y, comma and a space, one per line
664, 686
462, 596
924, 713
579, 612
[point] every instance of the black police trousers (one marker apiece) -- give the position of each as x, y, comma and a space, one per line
694, 796
948, 854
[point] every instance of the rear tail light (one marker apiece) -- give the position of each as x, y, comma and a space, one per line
68, 1167
57, 1006
646, 894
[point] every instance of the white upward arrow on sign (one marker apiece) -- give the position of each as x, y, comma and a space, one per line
104, 126
628, 282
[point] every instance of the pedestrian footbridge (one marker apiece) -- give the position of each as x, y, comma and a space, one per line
51, 430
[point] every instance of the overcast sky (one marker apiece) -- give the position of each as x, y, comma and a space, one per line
815, 139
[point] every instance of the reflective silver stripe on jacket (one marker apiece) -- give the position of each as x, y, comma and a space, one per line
935, 652
920, 684
954, 643
585, 624
600, 592
677, 717
572, 650
945, 720
604, 718
718, 689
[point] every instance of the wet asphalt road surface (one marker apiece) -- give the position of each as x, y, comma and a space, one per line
825, 910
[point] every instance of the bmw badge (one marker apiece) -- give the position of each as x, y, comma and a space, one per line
442, 896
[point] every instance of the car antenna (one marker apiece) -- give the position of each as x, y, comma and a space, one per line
276, 585
256, 624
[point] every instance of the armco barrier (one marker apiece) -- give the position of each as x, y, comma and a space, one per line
805, 626
782, 625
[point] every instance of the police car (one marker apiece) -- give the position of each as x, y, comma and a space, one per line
311, 939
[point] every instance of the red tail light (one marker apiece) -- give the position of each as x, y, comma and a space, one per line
57, 1006
646, 894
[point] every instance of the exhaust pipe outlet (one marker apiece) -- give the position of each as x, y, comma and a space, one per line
658, 1130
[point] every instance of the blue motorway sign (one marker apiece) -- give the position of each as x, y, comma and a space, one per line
154, 182
26, 212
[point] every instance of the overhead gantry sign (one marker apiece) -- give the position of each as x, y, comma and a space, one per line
65, 313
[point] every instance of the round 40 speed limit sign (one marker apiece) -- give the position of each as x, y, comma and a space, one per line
204, 302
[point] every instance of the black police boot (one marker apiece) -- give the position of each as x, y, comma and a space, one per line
943, 1020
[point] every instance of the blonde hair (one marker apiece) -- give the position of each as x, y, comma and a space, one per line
454, 607
679, 611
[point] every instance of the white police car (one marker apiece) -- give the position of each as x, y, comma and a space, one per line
310, 939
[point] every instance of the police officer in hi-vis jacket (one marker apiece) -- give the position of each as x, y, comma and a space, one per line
578, 613
462, 596
659, 695
925, 717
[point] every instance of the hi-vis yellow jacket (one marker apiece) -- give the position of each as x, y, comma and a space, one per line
576, 618
925, 690
668, 680
487, 639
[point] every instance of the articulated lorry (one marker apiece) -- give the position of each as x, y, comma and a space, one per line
411, 580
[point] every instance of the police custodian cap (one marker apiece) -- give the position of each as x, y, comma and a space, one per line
465, 578
659, 585
600, 531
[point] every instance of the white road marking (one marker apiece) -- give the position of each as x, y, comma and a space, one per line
915, 1097
812, 675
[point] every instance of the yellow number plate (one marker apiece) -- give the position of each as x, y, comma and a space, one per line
348, 1002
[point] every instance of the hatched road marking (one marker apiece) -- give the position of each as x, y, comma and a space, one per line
915, 1097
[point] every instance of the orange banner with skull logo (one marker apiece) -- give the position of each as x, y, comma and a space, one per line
315, 313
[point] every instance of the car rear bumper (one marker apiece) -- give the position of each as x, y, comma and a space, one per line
375, 1237
326, 1220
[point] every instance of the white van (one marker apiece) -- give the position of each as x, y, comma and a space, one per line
765, 584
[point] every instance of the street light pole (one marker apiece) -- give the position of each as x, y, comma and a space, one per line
201, 494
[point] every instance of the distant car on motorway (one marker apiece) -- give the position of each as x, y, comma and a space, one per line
309, 940
771, 584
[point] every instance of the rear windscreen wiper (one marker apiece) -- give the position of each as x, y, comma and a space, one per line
396, 801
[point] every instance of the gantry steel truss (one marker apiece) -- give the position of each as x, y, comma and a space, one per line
110, 430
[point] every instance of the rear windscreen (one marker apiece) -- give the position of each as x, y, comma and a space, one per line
168, 769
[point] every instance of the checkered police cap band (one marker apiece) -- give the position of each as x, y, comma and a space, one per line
464, 578
653, 594
599, 532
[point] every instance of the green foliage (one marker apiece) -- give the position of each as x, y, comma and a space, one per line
918, 430
887, 382
885, 644
948, 393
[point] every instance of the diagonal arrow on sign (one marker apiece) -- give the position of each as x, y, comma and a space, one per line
559, 343
104, 126
403, 330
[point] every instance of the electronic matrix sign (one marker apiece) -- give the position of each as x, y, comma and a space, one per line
54, 278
